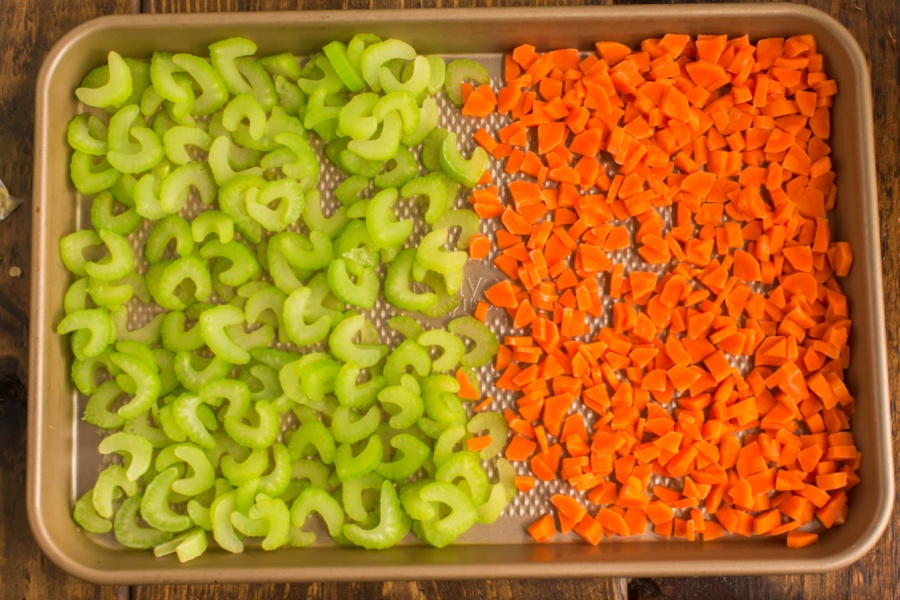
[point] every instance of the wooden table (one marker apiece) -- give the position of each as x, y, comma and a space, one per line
28, 28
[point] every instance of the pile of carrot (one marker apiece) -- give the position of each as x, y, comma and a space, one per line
731, 139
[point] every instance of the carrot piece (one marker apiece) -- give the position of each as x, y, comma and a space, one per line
524, 483
799, 539
612, 52
520, 448
568, 506
543, 529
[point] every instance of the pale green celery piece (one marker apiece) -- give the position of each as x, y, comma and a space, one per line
286, 276
202, 472
375, 55
186, 413
441, 402
97, 322
312, 253
408, 327
403, 167
322, 302
214, 93
452, 349
431, 255
411, 500
239, 472
485, 341
194, 378
397, 281
245, 106
315, 472
288, 196
298, 330
244, 265
350, 466
263, 383
451, 437
223, 55
357, 44
358, 210
104, 215
212, 222
356, 118
170, 425
292, 374
350, 427
186, 547
414, 452
168, 229
259, 436
290, 98
318, 112
344, 347
146, 382
175, 188
315, 500
138, 451
123, 190
393, 523
415, 78
362, 293
130, 533
76, 296
212, 327
465, 465
408, 354
176, 140
318, 382
305, 168
431, 150
97, 411
497, 428
356, 245
330, 82
223, 531
273, 357
384, 146
438, 72
222, 165
146, 197
461, 70
89, 176
111, 484
348, 191
267, 517
468, 222
353, 394
140, 80
165, 360
88, 134
148, 335
84, 372
284, 64
119, 134
277, 481
428, 121
259, 80
465, 171
506, 474
150, 102
354, 164
403, 103
115, 91
338, 58
162, 75
182, 112
267, 305
491, 509
354, 496
86, 516
143, 426
235, 392
107, 294
172, 275
433, 187
463, 514
384, 228
232, 203
149, 155
315, 434
119, 262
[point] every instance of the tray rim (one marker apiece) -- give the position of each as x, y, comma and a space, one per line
525, 569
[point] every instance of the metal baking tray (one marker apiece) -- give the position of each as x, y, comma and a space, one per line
62, 455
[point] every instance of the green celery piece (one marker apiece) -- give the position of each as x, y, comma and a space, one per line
355, 118
344, 348
111, 484
381, 221
439, 532
90, 176
97, 322
316, 435
295, 319
465, 171
377, 54
284, 64
431, 150
461, 70
81, 131
350, 466
429, 115
137, 449
414, 452
186, 546
385, 146
115, 91
497, 428
212, 328
393, 523
223, 55
361, 293
85, 515
263, 434
441, 402
356, 395
433, 187
467, 466
130, 533
168, 229
486, 343
404, 169
452, 349
431, 255
337, 57
403, 402
468, 222
104, 215
315, 500
214, 93
407, 354
177, 139
415, 78
397, 281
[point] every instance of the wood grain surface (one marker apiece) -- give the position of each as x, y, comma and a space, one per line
28, 28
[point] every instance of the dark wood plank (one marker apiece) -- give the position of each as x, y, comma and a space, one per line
169, 6
876, 25
30, 28
593, 589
